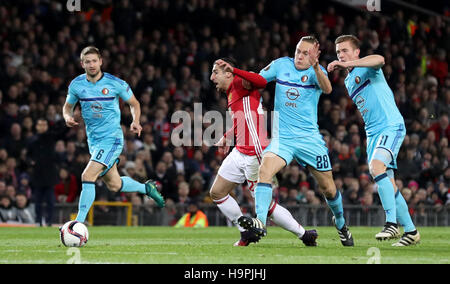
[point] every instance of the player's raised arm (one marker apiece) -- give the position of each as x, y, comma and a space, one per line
135, 108
347, 51
68, 115
322, 78
250, 79
373, 61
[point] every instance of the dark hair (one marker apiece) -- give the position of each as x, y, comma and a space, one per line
231, 61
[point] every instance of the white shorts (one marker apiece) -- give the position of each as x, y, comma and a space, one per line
238, 167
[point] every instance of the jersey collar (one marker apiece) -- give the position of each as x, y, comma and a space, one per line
103, 75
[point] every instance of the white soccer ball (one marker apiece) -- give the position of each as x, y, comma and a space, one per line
74, 234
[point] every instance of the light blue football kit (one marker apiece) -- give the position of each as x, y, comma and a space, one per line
295, 130
101, 114
385, 129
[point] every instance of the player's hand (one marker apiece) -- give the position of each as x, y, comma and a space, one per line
314, 53
225, 65
136, 128
336, 65
70, 122
223, 145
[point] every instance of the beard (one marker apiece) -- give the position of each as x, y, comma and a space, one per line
92, 74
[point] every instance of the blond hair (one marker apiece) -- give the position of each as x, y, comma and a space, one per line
89, 50
354, 41
310, 39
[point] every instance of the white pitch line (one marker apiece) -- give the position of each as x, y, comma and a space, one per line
96, 252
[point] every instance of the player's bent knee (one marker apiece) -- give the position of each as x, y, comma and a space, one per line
376, 168
216, 194
86, 176
328, 189
265, 174
113, 185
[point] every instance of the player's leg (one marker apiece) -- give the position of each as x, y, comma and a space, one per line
313, 153
386, 189
334, 201
332, 196
283, 218
87, 196
116, 183
270, 165
107, 153
411, 235
230, 174
276, 156
382, 150
220, 194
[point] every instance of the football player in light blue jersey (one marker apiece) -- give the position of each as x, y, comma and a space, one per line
98, 94
385, 130
299, 83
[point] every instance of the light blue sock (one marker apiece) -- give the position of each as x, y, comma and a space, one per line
387, 196
130, 185
263, 197
87, 197
337, 208
403, 216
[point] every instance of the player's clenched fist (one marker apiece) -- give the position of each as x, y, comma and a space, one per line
336, 65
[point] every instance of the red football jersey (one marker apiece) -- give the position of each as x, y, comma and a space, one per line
249, 126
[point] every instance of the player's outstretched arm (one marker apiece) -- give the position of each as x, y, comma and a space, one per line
373, 61
257, 81
68, 115
135, 108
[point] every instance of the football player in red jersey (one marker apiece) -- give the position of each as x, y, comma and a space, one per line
244, 103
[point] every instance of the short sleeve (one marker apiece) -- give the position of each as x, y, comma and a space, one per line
270, 71
125, 91
72, 97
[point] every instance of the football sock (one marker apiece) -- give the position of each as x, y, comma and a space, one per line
87, 197
130, 185
403, 215
263, 197
230, 208
335, 204
283, 218
387, 196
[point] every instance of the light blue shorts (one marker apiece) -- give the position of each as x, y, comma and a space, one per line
390, 139
106, 152
310, 150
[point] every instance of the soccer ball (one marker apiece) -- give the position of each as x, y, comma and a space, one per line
74, 234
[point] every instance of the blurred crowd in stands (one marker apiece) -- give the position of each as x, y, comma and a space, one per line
165, 49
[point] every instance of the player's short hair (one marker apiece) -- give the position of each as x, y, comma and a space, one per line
90, 50
231, 61
310, 39
351, 38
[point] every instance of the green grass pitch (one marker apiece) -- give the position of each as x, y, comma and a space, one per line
214, 245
